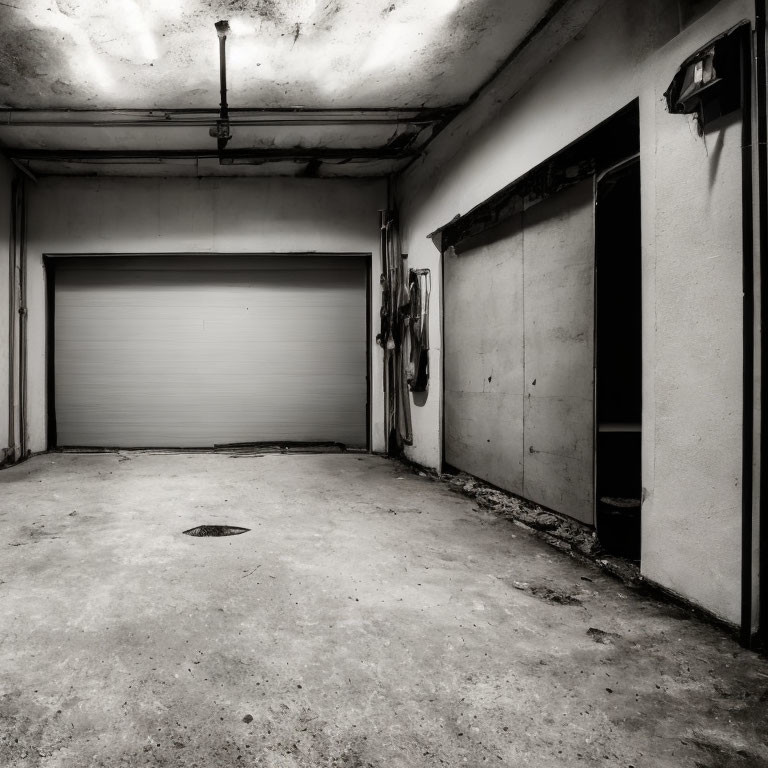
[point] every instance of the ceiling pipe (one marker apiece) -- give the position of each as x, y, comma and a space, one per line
23, 168
222, 132
426, 114
171, 120
261, 154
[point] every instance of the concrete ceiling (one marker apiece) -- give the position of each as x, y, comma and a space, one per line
130, 66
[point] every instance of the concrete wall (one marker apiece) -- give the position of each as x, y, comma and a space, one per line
6, 176
691, 217
519, 355
278, 215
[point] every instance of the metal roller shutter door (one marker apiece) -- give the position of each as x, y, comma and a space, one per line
197, 351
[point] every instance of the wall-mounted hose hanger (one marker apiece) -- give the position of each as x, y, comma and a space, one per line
395, 304
419, 287
222, 132
708, 83
404, 334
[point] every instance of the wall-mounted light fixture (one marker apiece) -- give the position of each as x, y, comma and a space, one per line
707, 84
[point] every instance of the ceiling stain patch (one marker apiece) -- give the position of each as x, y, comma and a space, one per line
265, 10
161, 54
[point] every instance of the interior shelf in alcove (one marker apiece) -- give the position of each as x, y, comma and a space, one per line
619, 427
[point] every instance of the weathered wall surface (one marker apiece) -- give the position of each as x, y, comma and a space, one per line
691, 218
519, 355
86, 216
559, 352
6, 176
692, 509
485, 359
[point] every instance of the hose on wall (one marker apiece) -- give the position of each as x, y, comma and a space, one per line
395, 336
420, 287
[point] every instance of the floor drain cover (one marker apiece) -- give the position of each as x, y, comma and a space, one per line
216, 530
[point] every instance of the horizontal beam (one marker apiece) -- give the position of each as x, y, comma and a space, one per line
612, 141
295, 116
244, 110
263, 155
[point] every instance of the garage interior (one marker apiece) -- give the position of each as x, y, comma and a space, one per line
382, 383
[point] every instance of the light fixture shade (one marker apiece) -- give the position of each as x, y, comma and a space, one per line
222, 28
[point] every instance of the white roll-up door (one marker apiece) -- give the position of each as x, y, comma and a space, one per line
199, 351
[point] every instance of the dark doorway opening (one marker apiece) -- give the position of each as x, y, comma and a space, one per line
618, 360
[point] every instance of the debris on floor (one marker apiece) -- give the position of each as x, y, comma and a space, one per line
560, 531
547, 594
602, 637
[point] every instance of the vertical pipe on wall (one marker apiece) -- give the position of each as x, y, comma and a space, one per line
222, 129
383, 216
50, 345
762, 179
22, 319
17, 322
748, 337
224, 111
12, 249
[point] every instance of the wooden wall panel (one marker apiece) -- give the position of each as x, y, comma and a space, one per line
519, 355
559, 352
484, 359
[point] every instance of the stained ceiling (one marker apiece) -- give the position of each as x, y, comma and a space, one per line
315, 86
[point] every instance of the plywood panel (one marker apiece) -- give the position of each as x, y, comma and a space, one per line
519, 316
225, 352
559, 352
484, 360
558, 459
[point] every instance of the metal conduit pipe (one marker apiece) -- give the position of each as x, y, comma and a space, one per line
761, 62
222, 131
12, 250
17, 325
748, 336
382, 336
23, 320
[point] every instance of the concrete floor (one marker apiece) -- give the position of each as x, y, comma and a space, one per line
371, 617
